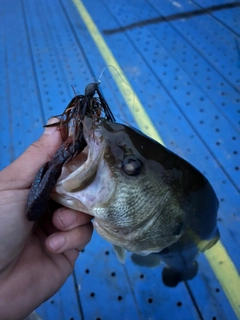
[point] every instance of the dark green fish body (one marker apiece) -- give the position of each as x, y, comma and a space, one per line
144, 198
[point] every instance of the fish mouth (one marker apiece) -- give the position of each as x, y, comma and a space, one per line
74, 185
87, 165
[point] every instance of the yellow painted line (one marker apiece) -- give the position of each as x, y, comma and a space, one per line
226, 274
138, 111
217, 256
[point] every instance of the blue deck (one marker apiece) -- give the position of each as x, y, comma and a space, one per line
181, 60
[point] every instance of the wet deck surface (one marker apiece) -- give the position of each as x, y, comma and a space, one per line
182, 60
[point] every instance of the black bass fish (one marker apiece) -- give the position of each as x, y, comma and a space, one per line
144, 198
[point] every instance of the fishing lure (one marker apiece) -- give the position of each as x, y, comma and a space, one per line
93, 104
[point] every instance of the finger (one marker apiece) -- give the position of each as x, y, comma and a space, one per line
77, 238
23, 170
71, 255
67, 219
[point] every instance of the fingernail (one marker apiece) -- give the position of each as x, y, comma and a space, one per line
51, 130
57, 242
67, 219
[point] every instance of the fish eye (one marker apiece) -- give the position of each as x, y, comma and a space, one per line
131, 166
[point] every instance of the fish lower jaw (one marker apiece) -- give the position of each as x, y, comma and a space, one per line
69, 202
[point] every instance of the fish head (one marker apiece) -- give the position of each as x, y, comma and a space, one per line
121, 180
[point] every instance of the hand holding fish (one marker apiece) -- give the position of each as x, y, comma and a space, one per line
35, 260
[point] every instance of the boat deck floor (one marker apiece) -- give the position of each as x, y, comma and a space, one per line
169, 68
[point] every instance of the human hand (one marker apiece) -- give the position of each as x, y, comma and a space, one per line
35, 260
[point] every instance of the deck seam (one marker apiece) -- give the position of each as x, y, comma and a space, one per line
32, 60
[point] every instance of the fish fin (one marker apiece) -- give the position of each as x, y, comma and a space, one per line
120, 253
172, 277
149, 261
207, 244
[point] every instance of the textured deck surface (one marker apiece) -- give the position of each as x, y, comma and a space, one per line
182, 61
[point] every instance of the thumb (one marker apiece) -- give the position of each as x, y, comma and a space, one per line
22, 171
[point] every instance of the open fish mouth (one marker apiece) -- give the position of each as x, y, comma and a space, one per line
75, 188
